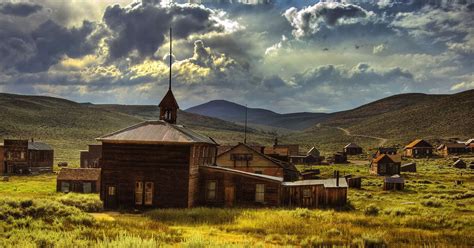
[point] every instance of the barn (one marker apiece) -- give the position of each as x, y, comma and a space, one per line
418, 148
79, 180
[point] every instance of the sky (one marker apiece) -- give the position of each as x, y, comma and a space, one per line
286, 56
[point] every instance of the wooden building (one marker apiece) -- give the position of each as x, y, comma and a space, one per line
24, 157
338, 158
90, 158
282, 152
452, 149
386, 165
352, 149
410, 167
460, 164
315, 193
79, 180
245, 158
395, 182
310, 174
224, 148
354, 182
418, 148
313, 156
385, 150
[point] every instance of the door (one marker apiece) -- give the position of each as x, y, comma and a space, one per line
110, 196
229, 196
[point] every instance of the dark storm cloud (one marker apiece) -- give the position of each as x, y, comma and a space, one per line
19, 9
143, 28
309, 20
48, 43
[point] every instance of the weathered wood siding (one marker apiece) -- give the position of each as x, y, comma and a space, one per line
78, 186
167, 166
2, 163
295, 196
257, 164
244, 189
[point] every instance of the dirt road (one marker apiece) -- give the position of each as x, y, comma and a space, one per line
348, 133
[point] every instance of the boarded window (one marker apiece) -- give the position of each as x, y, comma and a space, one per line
138, 193
211, 190
111, 190
87, 187
65, 187
260, 192
148, 193
241, 157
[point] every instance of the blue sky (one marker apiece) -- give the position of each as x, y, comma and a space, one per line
287, 56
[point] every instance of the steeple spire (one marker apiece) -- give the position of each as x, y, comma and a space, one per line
171, 55
168, 106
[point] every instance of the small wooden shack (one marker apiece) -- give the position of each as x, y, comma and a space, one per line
386, 165
79, 180
385, 150
315, 193
339, 158
410, 167
418, 148
395, 182
452, 149
310, 158
282, 152
310, 174
354, 182
90, 158
352, 149
460, 164
24, 157
246, 158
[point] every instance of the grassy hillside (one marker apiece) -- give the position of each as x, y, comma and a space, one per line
69, 126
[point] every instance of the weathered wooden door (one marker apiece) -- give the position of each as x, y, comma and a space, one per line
111, 196
229, 196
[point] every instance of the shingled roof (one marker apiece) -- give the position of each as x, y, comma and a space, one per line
169, 100
156, 132
79, 174
417, 142
352, 145
39, 146
388, 158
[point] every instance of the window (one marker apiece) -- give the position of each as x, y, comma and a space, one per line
148, 193
241, 157
211, 190
87, 187
22, 155
65, 187
111, 190
138, 193
260, 193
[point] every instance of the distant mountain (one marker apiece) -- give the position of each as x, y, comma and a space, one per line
230, 111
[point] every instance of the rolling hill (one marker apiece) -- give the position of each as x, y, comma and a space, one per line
230, 111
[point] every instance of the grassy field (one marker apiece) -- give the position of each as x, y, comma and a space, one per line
432, 211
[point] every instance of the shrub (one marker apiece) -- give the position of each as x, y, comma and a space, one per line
432, 202
371, 210
372, 240
85, 202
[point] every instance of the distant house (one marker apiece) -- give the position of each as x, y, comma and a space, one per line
395, 182
386, 165
352, 149
311, 157
470, 145
90, 158
460, 164
452, 149
354, 182
282, 151
418, 148
338, 158
385, 150
23, 157
245, 158
79, 180
224, 148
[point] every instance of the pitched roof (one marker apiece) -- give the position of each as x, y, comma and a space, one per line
244, 173
156, 132
169, 100
313, 150
352, 145
470, 141
79, 174
328, 183
282, 164
39, 146
459, 161
455, 145
388, 158
417, 142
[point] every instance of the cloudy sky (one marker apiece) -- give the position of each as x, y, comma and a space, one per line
288, 56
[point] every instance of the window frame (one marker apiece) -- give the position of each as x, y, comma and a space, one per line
138, 193
260, 192
208, 190
148, 193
